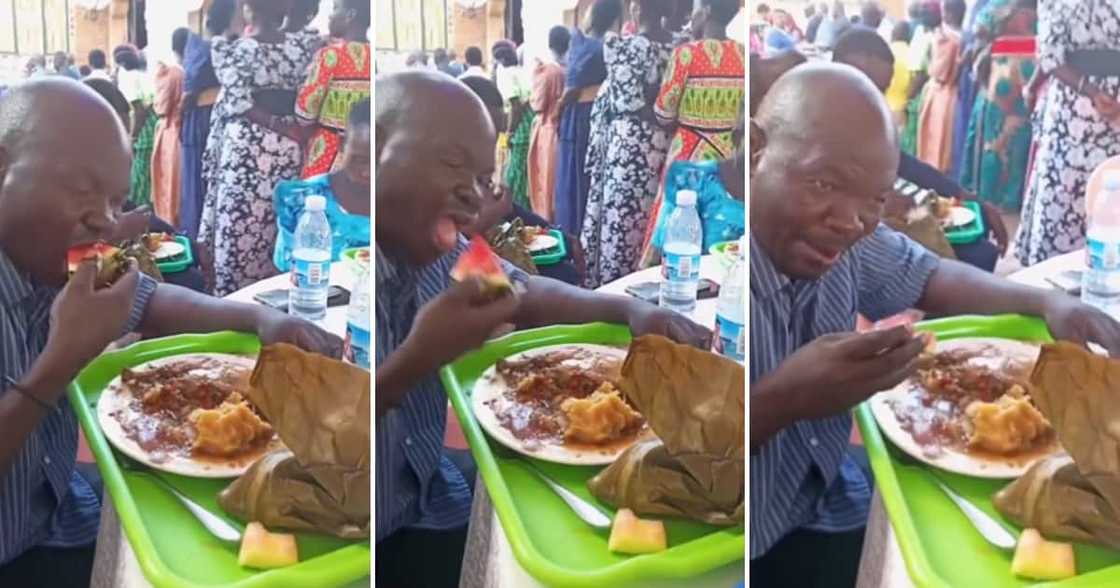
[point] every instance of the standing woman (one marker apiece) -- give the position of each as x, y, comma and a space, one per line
998, 143
298, 25
245, 160
166, 156
702, 95
548, 89
516, 89
200, 92
939, 101
1079, 49
339, 78
586, 72
134, 83
628, 146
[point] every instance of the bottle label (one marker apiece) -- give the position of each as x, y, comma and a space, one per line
730, 339
355, 348
309, 274
1103, 255
680, 267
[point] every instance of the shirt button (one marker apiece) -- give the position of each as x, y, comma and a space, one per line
47, 460
408, 441
814, 442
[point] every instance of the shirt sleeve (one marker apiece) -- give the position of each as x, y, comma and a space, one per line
313, 93
892, 272
145, 289
233, 65
668, 101
1055, 35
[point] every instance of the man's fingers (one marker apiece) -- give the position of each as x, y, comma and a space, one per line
896, 358
872, 343
125, 287
85, 275
893, 378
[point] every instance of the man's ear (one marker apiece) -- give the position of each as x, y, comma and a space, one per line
757, 143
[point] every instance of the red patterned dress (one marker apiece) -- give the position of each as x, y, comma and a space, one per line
702, 93
338, 79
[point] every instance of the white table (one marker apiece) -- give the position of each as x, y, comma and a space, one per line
489, 561
881, 565
115, 564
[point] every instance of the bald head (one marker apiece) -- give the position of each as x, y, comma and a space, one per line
415, 98
824, 156
64, 172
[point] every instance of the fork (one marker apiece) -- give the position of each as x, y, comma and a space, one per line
213, 523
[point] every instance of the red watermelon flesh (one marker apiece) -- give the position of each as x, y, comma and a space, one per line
111, 264
479, 261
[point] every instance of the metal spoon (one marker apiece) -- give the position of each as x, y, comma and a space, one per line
586, 511
213, 523
988, 527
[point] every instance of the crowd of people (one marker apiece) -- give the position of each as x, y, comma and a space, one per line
244, 121
592, 134
1012, 102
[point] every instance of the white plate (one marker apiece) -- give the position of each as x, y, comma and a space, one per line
543, 242
490, 386
116, 397
169, 249
949, 459
959, 216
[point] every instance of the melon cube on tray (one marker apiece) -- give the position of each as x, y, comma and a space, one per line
630, 534
1039, 559
263, 550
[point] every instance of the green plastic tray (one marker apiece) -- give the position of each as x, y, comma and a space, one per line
971, 232
174, 550
179, 262
549, 541
556, 254
940, 547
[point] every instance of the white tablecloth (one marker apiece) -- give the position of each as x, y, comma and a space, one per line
489, 561
882, 565
115, 564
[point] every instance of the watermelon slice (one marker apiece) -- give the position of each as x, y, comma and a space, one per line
112, 262
479, 261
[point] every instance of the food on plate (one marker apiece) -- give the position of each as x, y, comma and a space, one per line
942, 207
320, 409
193, 406
694, 401
508, 243
112, 262
1039, 559
632, 535
229, 428
152, 241
479, 261
972, 398
600, 418
564, 396
265, 550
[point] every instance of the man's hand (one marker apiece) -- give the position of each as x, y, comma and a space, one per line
835, 372
277, 327
458, 320
1071, 320
647, 319
84, 321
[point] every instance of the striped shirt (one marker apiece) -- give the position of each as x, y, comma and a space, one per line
802, 477
43, 500
416, 485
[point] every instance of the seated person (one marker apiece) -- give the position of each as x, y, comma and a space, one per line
818, 256
137, 220
497, 200
435, 149
346, 191
720, 187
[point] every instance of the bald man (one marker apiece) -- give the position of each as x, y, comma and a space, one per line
435, 154
818, 256
64, 174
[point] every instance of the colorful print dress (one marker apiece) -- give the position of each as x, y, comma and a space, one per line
339, 78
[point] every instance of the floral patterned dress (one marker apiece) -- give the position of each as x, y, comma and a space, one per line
339, 79
244, 162
1074, 139
625, 156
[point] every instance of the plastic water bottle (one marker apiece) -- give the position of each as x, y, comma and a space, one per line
1100, 285
730, 339
356, 350
680, 264
311, 262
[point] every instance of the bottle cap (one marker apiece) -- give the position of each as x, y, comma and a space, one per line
686, 198
315, 203
1111, 180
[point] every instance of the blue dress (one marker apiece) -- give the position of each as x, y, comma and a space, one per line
347, 230
198, 76
722, 217
573, 182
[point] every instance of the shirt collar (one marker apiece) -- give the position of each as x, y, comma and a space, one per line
766, 280
15, 285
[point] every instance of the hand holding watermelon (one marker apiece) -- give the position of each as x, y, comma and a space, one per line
457, 321
86, 318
